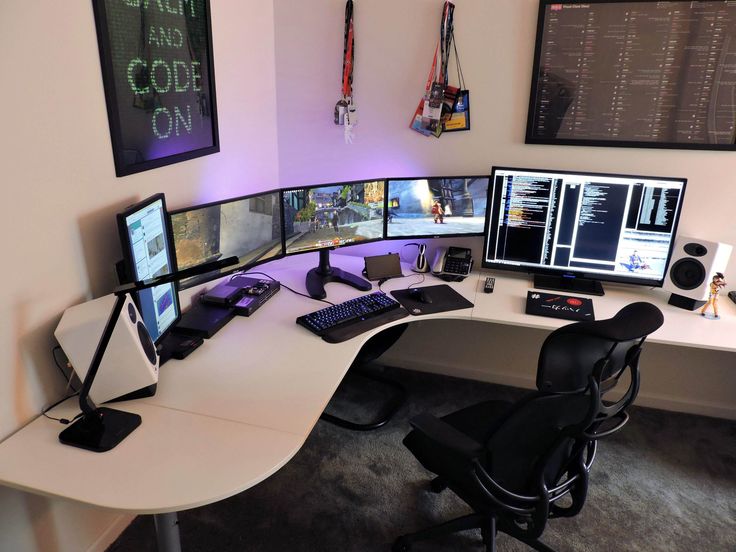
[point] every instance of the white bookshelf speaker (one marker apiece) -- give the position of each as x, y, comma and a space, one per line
130, 363
693, 264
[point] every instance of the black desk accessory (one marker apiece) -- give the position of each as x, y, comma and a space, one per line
102, 429
443, 298
489, 284
178, 346
324, 274
732, 296
204, 320
379, 267
338, 335
345, 320
554, 305
255, 293
568, 283
224, 294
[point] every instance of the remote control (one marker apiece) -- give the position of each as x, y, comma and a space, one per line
488, 286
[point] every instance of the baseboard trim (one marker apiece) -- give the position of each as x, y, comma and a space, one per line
648, 399
111, 533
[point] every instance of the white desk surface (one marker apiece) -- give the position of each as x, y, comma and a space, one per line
239, 407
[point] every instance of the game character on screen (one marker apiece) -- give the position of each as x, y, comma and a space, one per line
636, 262
716, 284
438, 212
335, 221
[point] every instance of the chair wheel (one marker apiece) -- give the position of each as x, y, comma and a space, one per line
401, 544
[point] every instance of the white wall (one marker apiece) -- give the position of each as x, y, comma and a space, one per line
61, 192
60, 195
394, 45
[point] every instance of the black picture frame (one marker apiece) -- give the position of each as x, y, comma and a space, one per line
533, 137
159, 80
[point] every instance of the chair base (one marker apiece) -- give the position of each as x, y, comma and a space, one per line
486, 523
390, 407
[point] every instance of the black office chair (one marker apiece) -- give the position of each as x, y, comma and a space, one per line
359, 369
513, 463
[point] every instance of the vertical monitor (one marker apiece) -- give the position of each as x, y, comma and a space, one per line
148, 253
437, 206
589, 225
333, 215
247, 227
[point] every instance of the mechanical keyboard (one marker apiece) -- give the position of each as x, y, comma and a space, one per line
345, 320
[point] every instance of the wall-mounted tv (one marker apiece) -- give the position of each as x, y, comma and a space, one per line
640, 73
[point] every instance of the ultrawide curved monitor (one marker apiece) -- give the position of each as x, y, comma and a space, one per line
436, 206
332, 215
598, 226
247, 227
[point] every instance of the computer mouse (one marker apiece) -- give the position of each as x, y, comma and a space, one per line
418, 294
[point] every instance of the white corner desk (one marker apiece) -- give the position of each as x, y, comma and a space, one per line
241, 406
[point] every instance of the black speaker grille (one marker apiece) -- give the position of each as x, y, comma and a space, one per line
695, 249
148, 346
132, 314
687, 273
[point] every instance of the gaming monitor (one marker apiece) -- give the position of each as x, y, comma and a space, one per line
582, 227
247, 227
320, 218
437, 206
148, 252
332, 215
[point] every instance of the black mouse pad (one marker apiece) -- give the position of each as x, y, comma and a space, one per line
443, 297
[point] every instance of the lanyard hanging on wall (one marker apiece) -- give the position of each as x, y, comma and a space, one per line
346, 113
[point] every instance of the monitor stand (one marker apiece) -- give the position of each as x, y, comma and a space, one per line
568, 283
324, 274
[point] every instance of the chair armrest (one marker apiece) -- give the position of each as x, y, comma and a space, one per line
447, 436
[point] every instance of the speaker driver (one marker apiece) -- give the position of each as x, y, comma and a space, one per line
687, 273
695, 249
132, 313
146, 343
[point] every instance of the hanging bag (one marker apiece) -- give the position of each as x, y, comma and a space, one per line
422, 120
459, 118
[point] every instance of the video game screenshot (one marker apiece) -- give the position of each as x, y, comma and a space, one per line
249, 228
436, 206
331, 216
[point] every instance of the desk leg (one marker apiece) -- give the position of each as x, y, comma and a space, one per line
167, 532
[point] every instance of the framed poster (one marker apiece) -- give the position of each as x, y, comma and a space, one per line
634, 73
159, 80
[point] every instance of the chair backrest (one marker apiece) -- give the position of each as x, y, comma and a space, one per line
578, 364
604, 349
539, 437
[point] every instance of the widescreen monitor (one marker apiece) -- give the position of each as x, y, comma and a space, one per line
246, 227
333, 215
582, 225
147, 253
436, 207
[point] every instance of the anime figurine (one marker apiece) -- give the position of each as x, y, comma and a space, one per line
715, 287
438, 212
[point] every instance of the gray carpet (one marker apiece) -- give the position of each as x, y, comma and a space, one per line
667, 482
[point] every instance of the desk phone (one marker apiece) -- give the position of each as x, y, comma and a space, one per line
452, 264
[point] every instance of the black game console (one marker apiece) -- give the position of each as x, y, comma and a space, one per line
255, 293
